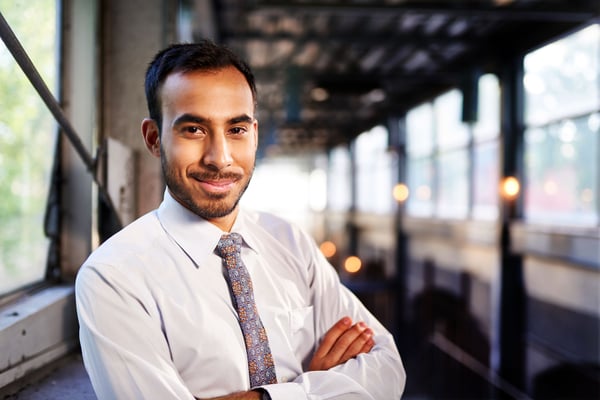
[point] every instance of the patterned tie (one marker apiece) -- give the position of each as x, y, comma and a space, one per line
260, 359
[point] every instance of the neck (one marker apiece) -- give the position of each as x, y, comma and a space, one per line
225, 223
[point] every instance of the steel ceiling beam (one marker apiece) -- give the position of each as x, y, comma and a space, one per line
568, 12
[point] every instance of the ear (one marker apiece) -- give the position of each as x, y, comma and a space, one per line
151, 136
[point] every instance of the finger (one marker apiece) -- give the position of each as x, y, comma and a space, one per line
332, 335
345, 342
362, 344
368, 346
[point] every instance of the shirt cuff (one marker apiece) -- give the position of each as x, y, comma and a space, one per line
285, 391
264, 395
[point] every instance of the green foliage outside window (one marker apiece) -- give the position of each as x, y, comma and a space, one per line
27, 141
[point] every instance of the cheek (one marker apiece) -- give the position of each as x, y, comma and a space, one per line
180, 156
246, 158
244, 152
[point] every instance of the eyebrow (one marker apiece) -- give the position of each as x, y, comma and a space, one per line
187, 118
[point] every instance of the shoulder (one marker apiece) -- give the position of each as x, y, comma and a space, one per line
274, 224
271, 222
130, 246
121, 262
286, 233
137, 235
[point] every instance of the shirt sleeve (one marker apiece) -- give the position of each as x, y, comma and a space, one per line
377, 375
116, 329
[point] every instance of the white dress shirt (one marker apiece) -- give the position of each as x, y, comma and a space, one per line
157, 321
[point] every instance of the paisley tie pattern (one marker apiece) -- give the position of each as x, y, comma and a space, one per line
260, 360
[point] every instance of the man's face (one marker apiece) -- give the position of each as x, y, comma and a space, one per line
208, 141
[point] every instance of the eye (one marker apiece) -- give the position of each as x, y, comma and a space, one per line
238, 130
192, 130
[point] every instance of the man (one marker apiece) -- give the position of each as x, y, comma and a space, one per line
158, 318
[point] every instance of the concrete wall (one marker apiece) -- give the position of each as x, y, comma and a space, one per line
132, 32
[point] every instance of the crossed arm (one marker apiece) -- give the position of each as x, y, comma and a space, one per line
342, 342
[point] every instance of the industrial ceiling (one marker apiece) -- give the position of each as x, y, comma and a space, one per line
328, 70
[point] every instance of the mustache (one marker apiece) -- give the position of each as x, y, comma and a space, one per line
215, 176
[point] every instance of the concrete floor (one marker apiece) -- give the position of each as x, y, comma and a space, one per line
67, 380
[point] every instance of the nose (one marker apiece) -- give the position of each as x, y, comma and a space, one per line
217, 154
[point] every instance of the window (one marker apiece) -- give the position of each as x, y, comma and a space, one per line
376, 172
442, 150
419, 132
562, 172
485, 180
339, 179
453, 184
27, 137
289, 197
452, 138
562, 136
486, 150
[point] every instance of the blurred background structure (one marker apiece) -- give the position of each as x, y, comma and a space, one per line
444, 154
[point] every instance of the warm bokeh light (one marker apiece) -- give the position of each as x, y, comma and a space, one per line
352, 264
319, 94
400, 192
328, 248
510, 187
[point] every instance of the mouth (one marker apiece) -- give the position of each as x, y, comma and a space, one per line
221, 186
216, 184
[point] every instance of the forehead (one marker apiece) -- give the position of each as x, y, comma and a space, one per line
211, 85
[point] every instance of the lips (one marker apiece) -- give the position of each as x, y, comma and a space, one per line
216, 184
219, 186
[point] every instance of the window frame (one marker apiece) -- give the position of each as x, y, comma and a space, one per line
38, 323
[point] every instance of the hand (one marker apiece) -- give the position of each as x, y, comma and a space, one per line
341, 343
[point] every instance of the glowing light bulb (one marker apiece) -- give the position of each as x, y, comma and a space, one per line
400, 192
510, 187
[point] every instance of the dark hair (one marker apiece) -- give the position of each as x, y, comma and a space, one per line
204, 55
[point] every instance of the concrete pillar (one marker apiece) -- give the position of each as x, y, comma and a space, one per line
132, 32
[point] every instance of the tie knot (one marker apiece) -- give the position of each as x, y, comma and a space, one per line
229, 244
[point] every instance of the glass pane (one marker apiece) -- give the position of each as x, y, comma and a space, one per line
562, 172
339, 180
290, 197
375, 172
420, 185
562, 78
486, 180
453, 184
488, 121
27, 137
419, 130
451, 132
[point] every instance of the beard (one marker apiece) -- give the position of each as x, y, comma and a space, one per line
205, 205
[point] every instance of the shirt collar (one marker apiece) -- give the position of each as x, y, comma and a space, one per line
244, 226
195, 235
